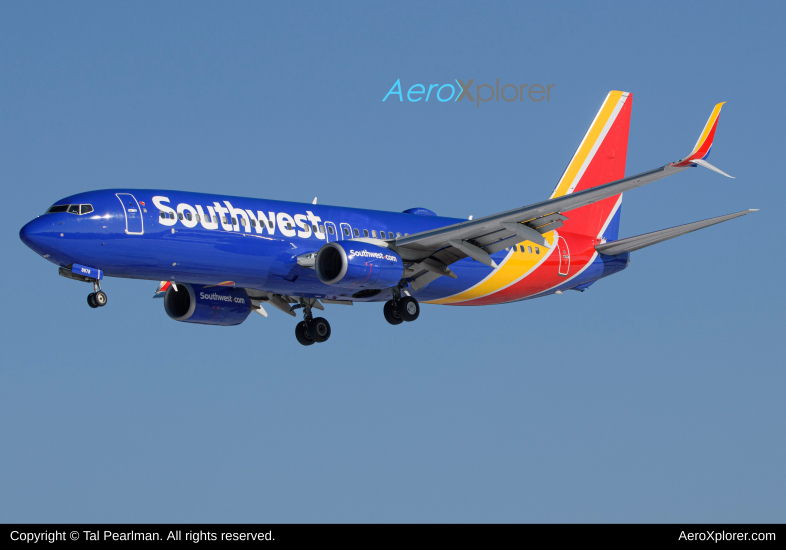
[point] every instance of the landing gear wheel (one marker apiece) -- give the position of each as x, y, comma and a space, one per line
319, 330
91, 300
391, 313
99, 298
408, 308
302, 334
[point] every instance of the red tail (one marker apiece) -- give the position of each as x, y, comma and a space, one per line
599, 159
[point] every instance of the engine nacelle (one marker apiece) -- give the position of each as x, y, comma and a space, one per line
213, 305
357, 264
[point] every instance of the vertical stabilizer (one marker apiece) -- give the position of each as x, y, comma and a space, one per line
599, 159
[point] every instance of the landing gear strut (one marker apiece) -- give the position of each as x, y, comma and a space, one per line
400, 309
97, 298
310, 329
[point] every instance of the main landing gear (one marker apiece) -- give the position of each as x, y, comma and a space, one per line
97, 298
401, 309
311, 329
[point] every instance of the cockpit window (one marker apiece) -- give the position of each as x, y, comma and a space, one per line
71, 208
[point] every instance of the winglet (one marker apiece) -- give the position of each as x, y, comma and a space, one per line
703, 146
162, 288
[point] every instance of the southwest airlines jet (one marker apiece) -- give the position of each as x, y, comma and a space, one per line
219, 258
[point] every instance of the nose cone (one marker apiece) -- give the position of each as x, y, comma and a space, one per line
38, 234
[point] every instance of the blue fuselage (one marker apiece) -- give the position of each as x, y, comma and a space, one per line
211, 239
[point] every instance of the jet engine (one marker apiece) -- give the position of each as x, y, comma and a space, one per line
207, 305
357, 264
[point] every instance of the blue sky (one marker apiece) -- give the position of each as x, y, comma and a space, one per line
655, 396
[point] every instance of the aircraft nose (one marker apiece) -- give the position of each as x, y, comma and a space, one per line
36, 234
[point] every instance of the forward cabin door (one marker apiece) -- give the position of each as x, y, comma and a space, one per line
564, 257
134, 222
331, 234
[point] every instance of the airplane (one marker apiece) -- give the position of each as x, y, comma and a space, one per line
219, 258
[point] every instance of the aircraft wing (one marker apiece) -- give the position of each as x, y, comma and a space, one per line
435, 249
640, 241
540, 217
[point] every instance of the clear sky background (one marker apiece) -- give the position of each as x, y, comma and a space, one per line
655, 396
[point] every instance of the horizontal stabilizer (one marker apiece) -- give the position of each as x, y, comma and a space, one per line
635, 243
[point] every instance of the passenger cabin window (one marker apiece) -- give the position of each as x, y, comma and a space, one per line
223, 219
243, 222
180, 216
253, 223
163, 215
330, 228
390, 234
537, 250
86, 208
346, 232
365, 232
357, 233
529, 249
188, 216
374, 233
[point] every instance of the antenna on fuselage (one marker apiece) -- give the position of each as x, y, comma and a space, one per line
314, 201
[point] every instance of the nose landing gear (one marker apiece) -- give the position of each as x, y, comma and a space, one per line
310, 329
97, 298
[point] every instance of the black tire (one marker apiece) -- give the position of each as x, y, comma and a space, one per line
408, 308
302, 335
99, 298
391, 313
319, 330
90, 300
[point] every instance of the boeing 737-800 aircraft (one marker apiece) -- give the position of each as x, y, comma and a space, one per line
220, 258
